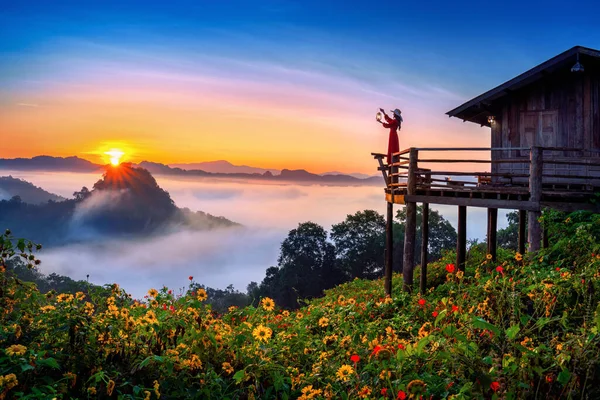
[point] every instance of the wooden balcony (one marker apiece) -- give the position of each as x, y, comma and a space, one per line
565, 183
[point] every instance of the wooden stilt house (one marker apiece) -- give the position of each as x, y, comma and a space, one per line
544, 152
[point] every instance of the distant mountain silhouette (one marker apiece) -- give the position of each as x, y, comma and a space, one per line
48, 163
126, 202
286, 175
224, 167
75, 164
29, 193
354, 174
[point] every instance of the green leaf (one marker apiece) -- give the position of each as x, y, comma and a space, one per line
50, 362
564, 377
440, 316
422, 343
480, 323
239, 376
26, 367
21, 245
513, 331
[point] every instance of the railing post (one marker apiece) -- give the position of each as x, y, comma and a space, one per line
424, 247
410, 232
535, 196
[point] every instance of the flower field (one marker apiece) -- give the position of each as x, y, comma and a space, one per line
520, 327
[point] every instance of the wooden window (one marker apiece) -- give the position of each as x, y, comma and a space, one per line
538, 128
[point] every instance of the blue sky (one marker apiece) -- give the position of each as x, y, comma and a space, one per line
425, 57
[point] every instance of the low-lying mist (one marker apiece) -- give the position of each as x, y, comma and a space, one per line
217, 257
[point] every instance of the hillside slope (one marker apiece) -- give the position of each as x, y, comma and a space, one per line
28, 192
510, 329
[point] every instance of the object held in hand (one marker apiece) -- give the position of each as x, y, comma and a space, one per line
379, 116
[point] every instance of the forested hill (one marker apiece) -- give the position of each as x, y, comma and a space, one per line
29, 193
127, 201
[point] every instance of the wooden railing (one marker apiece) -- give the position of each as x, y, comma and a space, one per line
417, 168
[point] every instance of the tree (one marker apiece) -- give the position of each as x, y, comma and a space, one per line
508, 237
306, 266
442, 235
360, 244
83, 194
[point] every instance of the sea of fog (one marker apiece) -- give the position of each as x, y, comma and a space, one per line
220, 257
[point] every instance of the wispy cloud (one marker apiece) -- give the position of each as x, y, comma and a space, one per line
27, 105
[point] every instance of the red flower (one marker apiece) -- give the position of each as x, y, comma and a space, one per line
448, 386
172, 308
450, 268
190, 277
384, 392
377, 349
164, 306
355, 358
454, 308
495, 386
435, 314
401, 395
170, 291
422, 302
558, 268
500, 269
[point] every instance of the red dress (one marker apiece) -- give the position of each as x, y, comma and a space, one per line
393, 144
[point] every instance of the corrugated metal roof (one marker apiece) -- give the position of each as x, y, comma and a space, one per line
476, 110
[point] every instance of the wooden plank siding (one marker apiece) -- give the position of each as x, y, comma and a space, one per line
562, 110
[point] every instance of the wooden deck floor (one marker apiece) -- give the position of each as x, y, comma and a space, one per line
561, 198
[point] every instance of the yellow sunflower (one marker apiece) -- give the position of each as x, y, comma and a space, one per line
15, 350
262, 333
152, 292
227, 368
202, 295
518, 256
323, 322
345, 372
268, 304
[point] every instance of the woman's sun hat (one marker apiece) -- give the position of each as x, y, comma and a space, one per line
397, 112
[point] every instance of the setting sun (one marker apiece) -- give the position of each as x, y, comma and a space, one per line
115, 156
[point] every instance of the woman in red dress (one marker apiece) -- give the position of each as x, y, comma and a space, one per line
394, 125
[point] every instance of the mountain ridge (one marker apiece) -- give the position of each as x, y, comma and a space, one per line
76, 164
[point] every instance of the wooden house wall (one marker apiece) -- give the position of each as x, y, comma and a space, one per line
562, 110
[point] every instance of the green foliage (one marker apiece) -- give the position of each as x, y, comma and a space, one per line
508, 237
442, 235
515, 328
360, 243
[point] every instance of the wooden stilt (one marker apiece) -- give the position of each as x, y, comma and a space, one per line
461, 243
424, 247
535, 195
389, 247
410, 231
522, 230
492, 230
